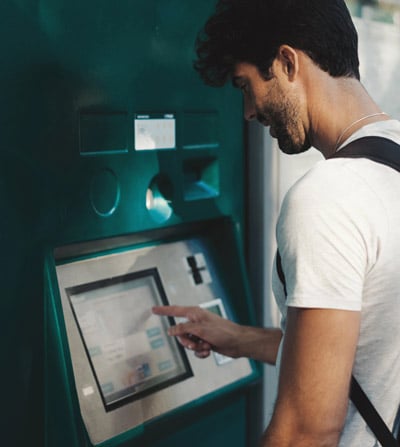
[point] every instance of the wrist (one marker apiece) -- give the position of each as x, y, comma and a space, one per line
260, 344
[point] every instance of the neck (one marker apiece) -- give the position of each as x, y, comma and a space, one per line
345, 107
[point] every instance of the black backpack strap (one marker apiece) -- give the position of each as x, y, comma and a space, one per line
279, 270
371, 416
379, 149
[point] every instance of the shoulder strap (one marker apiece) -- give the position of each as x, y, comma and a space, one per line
279, 270
371, 416
379, 149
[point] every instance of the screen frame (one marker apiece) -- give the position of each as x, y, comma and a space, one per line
106, 282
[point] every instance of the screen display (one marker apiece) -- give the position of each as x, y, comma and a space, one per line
215, 306
215, 309
154, 132
128, 347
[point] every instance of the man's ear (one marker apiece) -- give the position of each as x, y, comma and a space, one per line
288, 59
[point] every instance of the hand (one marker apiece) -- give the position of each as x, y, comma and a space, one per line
204, 331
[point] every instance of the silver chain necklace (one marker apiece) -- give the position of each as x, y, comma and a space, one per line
353, 124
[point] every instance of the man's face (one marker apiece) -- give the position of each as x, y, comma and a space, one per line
273, 106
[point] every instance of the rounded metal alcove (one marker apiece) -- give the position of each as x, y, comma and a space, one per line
158, 198
105, 192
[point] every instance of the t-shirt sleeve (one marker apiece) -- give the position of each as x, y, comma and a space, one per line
327, 239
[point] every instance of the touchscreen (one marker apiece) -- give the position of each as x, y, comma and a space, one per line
130, 352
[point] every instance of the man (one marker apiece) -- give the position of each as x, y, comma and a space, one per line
338, 232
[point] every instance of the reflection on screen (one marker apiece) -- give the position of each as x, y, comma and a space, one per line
127, 345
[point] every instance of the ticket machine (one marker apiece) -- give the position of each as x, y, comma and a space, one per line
142, 203
116, 370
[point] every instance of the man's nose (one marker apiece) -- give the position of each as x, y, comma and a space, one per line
249, 110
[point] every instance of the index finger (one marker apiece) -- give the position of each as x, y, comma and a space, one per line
172, 311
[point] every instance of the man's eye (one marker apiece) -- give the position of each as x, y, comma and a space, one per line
244, 88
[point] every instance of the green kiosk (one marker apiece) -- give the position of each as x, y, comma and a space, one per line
138, 173
113, 376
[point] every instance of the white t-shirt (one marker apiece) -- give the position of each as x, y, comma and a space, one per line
338, 235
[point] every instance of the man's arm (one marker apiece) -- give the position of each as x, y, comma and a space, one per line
313, 395
206, 331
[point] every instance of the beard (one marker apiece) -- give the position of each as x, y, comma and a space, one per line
284, 119
287, 144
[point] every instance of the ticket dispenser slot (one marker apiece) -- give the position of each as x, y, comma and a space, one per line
127, 370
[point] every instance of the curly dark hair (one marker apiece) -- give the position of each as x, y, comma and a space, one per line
253, 30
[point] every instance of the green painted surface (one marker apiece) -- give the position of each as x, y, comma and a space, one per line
74, 75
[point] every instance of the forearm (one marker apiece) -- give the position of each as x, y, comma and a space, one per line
211, 332
260, 344
288, 435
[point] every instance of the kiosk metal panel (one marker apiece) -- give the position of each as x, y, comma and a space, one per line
127, 370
